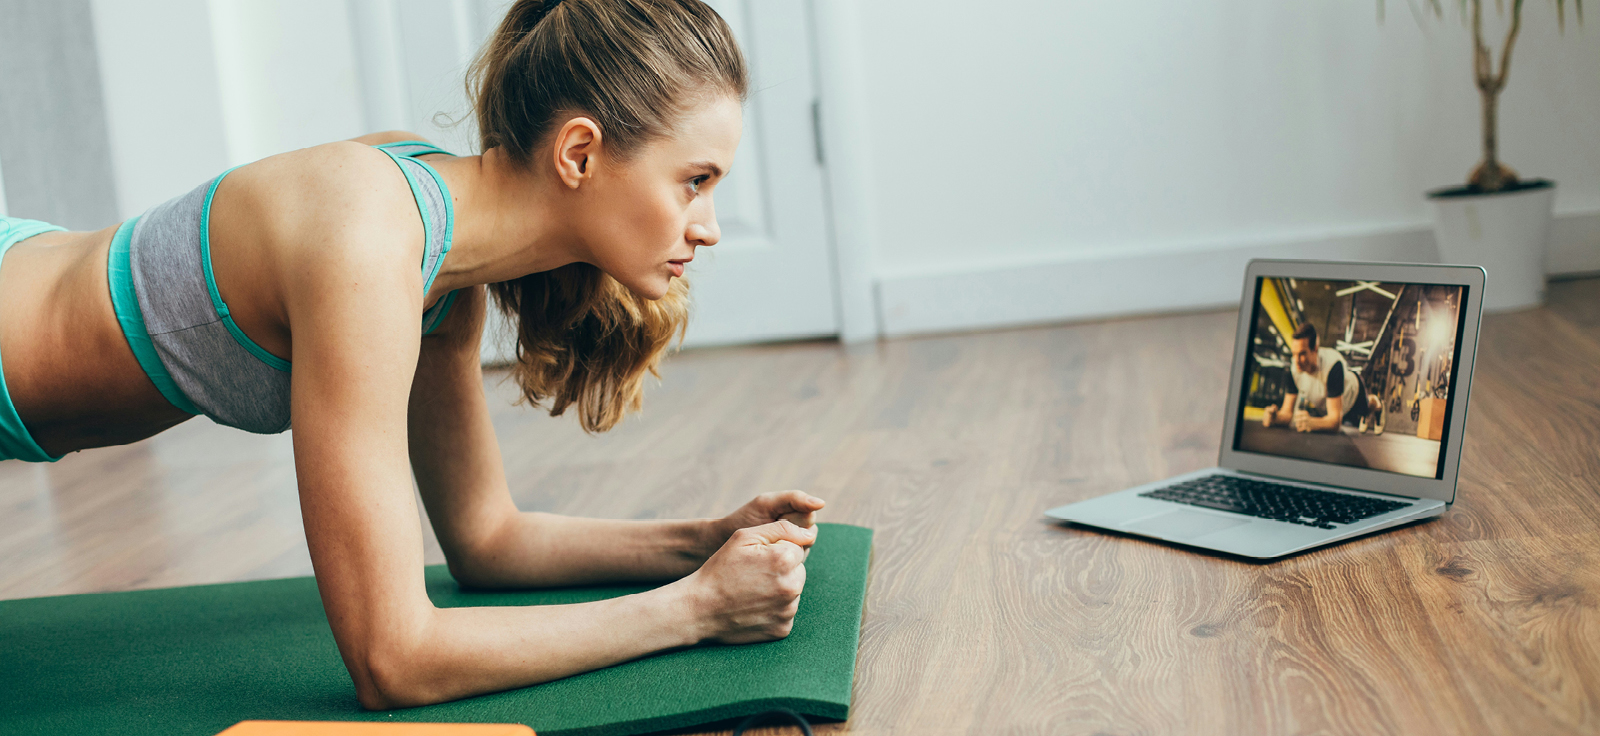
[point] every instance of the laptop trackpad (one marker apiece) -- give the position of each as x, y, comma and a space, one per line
1184, 524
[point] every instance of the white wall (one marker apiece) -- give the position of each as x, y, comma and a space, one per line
53, 139
288, 75
193, 87
1032, 160
162, 97
1013, 162
414, 56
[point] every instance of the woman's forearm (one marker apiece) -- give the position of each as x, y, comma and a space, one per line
414, 654
542, 550
460, 652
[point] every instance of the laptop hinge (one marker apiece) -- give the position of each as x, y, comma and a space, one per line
1329, 485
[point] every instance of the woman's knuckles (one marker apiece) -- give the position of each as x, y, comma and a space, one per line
744, 536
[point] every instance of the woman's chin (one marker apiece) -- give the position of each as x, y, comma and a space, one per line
653, 289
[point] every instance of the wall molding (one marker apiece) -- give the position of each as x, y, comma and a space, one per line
1163, 279
842, 98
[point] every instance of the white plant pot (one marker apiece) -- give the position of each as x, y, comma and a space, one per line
1505, 233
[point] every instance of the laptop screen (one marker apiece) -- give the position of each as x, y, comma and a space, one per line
1355, 373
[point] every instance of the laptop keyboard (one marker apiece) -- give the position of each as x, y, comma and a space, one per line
1276, 501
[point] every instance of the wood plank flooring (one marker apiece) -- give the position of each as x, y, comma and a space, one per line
981, 617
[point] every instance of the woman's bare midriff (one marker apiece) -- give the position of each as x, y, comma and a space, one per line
67, 366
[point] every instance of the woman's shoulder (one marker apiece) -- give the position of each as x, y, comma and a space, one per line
341, 205
344, 171
388, 136
343, 189
347, 172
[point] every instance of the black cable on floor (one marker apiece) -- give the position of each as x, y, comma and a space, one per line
756, 719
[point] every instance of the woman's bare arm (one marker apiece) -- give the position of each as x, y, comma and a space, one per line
354, 315
486, 540
351, 379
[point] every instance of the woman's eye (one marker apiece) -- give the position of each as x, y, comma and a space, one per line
694, 184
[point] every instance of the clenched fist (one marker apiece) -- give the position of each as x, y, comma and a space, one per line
796, 507
1302, 422
750, 589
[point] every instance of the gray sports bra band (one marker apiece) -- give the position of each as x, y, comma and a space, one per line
183, 334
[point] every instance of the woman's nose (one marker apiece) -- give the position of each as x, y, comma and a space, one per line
705, 232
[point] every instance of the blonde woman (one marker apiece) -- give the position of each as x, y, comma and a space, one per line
346, 286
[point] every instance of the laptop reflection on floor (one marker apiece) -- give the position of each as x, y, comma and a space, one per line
1346, 410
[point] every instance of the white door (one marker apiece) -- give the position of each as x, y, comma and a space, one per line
771, 277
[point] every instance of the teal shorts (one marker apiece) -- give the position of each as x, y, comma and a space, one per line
15, 441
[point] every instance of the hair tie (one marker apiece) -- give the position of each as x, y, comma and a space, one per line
544, 10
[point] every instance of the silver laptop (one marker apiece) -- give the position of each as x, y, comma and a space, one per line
1346, 409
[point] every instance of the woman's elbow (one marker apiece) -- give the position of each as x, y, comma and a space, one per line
392, 677
479, 560
471, 571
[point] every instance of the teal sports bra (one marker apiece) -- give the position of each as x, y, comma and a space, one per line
183, 334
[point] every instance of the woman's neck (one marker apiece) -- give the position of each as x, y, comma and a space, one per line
508, 222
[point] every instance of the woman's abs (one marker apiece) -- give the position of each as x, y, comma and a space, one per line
68, 369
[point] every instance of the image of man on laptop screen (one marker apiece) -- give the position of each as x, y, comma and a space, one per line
1357, 373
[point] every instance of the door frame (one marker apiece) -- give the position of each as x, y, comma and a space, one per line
842, 112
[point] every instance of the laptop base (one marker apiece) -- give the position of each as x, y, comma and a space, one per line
1236, 534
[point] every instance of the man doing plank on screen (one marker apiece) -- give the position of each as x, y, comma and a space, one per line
1327, 393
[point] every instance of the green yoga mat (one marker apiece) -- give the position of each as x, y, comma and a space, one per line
199, 659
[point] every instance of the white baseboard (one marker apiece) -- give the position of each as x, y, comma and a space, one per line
1195, 276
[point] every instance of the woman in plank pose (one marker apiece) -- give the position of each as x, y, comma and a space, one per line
606, 125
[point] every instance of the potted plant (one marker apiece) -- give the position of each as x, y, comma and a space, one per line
1497, 220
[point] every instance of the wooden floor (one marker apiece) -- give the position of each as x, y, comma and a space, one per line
981, 617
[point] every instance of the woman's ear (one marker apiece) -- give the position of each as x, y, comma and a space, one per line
575, 147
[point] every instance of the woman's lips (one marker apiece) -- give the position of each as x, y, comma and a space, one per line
677, 267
